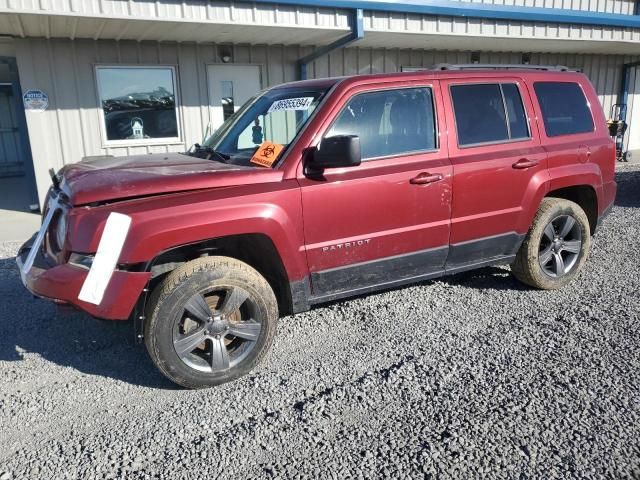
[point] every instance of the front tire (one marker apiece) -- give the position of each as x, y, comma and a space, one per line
556, 246
210, 321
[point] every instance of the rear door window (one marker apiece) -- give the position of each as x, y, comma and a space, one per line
489, 113
389, 122
565, 109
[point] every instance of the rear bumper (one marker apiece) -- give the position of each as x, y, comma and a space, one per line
62, 283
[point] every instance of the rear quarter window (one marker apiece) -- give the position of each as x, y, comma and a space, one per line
565, 110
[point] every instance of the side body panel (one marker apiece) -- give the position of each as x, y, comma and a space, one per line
368, 225
159, 224
583, 158
493, 202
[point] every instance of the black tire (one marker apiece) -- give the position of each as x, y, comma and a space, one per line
537, 263
177, 318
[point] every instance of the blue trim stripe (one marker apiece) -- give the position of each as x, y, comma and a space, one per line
452, 8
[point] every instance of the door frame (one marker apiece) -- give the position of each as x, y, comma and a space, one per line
23, 132
633, 100
218, 64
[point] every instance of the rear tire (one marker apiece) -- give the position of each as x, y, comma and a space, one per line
210, 321
556, 246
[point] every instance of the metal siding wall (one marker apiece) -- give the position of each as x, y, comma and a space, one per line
70, 128
188, 10
633, 110
248, 12
44, 127
625, 7
7, 48
384, 22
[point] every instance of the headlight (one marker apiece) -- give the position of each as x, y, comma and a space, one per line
81, 260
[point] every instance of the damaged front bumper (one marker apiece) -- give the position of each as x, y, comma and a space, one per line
62, 283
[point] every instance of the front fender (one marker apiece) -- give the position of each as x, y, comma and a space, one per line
162, 223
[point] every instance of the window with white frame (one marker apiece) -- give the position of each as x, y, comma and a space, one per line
138, 103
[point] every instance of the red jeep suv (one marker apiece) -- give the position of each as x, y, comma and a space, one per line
324, 189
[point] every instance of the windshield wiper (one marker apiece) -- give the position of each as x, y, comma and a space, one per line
209, 152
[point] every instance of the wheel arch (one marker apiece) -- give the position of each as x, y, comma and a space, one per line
255, 249
585, 196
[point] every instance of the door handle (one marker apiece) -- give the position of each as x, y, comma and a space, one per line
425, 178
524, 163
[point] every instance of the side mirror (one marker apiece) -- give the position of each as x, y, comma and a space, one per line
336, 152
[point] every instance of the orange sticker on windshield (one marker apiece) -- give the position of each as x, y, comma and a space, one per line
267, 154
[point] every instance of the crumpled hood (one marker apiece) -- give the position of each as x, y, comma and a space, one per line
102, 179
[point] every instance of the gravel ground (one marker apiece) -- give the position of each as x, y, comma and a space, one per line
470, 376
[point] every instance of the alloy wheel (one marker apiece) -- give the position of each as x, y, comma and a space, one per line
560, 246
217, 329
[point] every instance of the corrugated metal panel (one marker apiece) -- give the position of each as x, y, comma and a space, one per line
141, 28
632, 137
70, 128
6, 48
625, 7
187, 10
385, 22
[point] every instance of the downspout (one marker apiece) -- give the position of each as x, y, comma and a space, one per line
357, 33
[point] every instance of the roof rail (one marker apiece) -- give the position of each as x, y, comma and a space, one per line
495, 66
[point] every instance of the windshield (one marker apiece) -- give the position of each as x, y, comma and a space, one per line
258, 133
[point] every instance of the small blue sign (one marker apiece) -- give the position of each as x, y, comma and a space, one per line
35, 100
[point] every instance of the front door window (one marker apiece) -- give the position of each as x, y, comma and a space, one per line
389, 122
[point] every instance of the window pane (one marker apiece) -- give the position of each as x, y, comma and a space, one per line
276, 127
479, 114
389, 122
564, 108
275, 116
517, 118
138, 102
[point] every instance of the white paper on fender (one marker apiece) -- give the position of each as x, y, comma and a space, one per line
299, 103
106, 259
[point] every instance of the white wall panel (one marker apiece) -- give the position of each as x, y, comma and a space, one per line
70, 128
7, 48
625, 7
632, 140
393, 23
185, 10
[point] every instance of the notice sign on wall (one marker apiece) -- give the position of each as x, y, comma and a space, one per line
35, 100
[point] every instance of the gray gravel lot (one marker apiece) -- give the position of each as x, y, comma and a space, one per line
469, 376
